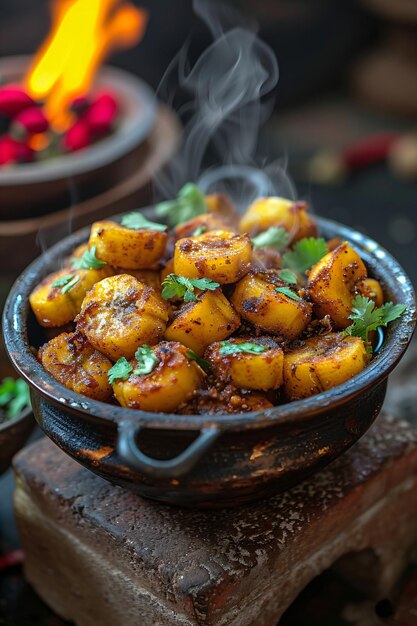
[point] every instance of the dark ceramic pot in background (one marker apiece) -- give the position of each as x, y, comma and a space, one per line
13, 436
209, 461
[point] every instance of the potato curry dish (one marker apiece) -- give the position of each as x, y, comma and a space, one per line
205, 311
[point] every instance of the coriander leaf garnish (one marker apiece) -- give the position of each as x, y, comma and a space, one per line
366, 316
288, 292
120, 370
175, 286
205, 365
14, 396
189, 203
199, 231
275, 237
227, 347
66, 282
88, 261
288, 277
137, 221
147, 360
305, 253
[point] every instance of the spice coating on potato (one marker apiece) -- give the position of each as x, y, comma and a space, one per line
331, 283
275, 211
73, 362
321, 363
198, 324
173, 381
204, 223
119, 314
56, 306
150, 278
261, 371
371, 288
257, 301
218, 255
127, 248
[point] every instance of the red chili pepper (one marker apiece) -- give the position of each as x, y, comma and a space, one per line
102, 113
14, 99
29, 122
77, 137
369, 150
12, 559
12, 151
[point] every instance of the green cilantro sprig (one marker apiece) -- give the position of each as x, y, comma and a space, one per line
66, 282
275, 237
137, 221
248, 347
146, 360
203, 363
175, 286
146, 363
286, 291
366, 316
305, 253
120, 370
88, 261
14, 396
288, 277
199, 230
189, 203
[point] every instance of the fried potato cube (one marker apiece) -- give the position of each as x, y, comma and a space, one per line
198, 324
371, 288
173, 381
221, 204
331, 283
261, 371
321, 363
275, 211
204, 223
219, 255
57, 306
119, 314
73, 362
256, 300
127, 248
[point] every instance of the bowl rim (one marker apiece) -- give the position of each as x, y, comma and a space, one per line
16, 420
398, 336
131, 132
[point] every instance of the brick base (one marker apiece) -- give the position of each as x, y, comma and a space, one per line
100, 555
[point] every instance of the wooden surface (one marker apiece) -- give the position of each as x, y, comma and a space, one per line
86, 540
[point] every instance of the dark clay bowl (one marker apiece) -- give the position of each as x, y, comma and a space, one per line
13, 435
209, 461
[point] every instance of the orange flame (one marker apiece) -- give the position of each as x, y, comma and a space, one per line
83, 33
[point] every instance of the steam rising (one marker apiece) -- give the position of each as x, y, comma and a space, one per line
224, 112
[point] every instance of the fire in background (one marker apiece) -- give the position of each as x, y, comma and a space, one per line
55, 109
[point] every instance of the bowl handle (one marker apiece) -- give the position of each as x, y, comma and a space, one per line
130, 453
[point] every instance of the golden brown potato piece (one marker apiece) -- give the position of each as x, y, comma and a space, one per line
171, 382
202, 224
257, 301
119, 314
220, 203
58, 305
371, 288
73, 362
198, 324
275, 211
247, 370
219, 255
150, 278
331, 283
127, 248
321, 363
